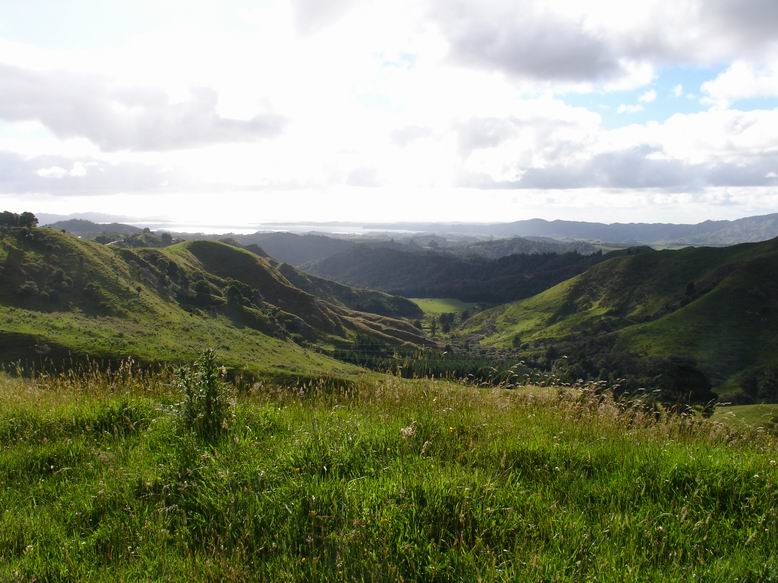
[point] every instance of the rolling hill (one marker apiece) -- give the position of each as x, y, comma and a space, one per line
716, 307
60, 295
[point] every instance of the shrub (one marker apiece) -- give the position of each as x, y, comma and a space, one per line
93, 291
28, 289
207, 407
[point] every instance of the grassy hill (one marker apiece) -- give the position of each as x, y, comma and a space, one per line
409, 481
60, 295
715, 306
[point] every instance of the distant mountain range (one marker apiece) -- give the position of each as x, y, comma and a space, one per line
712, 233
715, 233
48, 218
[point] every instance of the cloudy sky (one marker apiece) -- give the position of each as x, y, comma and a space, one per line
248, 111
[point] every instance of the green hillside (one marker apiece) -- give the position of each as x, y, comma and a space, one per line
61, 295
717, 307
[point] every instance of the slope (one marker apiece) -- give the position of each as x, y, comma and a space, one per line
363, 300
296, 249
61, 295
716, 306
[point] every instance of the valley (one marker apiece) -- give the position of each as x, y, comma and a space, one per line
177, 406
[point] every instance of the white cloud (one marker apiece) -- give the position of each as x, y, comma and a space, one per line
630, 108
121, 117
648, 97
678, 90
60, 176
742, 80
52, 172
572, 41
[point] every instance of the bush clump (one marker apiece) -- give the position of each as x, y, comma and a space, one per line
207, 405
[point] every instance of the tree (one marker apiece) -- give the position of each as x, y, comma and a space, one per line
166, 238
27, 219
202, 290
234, 296
446, 321
9, 219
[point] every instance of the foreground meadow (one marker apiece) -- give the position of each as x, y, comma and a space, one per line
391, 480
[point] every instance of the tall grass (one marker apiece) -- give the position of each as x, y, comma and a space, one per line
387, 480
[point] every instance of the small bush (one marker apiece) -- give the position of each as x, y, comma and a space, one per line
93, 291
207, 406
28, 289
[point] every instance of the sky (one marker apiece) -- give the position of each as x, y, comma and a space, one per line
253, 111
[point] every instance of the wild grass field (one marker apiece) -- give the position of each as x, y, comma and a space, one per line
101, 479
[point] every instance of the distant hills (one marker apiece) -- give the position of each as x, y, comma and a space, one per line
414, 273
715, 233
48, 218
697, 316
532, 236
750, 229
715, 307
85, 227
297, 249
60, 295
304, 250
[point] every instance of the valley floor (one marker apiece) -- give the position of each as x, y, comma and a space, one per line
395, 480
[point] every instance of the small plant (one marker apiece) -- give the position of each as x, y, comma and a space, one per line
207, 407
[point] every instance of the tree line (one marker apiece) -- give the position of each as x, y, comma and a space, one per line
25, 219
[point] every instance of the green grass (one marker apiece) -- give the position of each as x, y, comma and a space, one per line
435, 306
763, 415
394, 481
